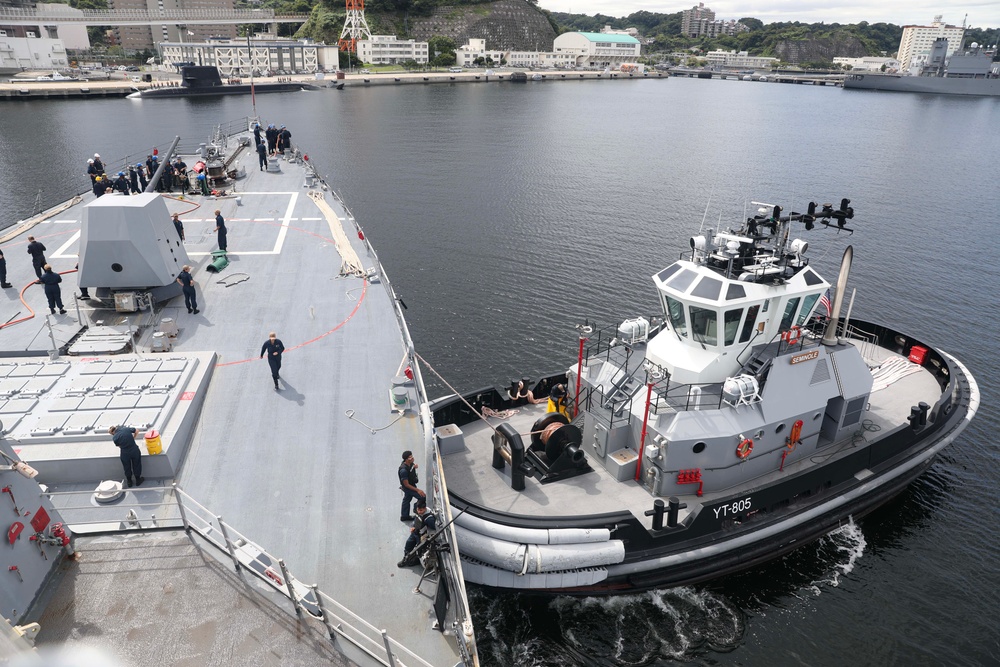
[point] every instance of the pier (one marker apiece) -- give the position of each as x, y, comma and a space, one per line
32, 89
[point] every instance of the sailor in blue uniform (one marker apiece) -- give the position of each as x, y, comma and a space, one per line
273, 348
408, 483
37, 251
187, 286
3, 271
53, 293
124, 439
220, 227
256, 134
178, 225
262, 155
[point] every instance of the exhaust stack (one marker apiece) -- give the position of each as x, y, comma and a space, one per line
830, 336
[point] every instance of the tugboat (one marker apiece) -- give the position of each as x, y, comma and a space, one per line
743, 420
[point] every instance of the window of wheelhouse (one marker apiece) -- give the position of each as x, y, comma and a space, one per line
704, 325
789, 316
675, 311
732, 324
749, 322
807, 306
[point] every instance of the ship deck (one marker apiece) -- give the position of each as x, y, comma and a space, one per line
307, 472
472, 477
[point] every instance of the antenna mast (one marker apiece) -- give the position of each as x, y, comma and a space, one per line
355, 27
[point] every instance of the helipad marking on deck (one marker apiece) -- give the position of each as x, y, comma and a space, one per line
294, 196
60, 254
63, 222
187, 396
311, 219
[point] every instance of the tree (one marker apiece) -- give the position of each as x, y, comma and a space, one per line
752, 23
441, 51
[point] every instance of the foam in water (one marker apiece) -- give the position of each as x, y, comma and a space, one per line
848, 543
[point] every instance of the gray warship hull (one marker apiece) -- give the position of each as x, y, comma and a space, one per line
932, 85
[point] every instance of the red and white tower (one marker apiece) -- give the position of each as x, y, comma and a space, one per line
355, 26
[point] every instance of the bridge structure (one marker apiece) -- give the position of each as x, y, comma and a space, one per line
120, 17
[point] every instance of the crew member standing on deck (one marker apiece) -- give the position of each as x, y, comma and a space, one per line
256, 134
140, 171
133, 180
262, 156
408, 483
272, 138
37, 252
187, 287
273, 348
53, 292
178, 225
220, 227
3, 271
124, 439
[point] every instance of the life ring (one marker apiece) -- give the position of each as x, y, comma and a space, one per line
791, 337
744, 449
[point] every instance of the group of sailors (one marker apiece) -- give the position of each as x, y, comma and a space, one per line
137, 177
278, 138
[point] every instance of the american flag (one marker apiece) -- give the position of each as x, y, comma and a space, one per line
825, 302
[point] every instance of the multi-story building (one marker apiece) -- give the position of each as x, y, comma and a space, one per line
467, 54
868, 64
594, 49
693, 20
140, 37
700, 22
742, 60
266, 54
387, 50
915, 45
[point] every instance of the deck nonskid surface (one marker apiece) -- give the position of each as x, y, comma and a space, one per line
289, 469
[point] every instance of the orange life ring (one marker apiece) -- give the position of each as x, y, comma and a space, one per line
791, 337
744, 449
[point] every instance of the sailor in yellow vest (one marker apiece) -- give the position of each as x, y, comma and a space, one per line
557, 400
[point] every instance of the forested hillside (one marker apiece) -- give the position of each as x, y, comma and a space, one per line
413, 18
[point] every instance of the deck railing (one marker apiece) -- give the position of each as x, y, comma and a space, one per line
179, 510
452, 574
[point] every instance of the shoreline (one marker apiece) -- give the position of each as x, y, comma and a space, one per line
32, 89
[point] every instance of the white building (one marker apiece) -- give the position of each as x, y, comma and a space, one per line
266, 54
742, 60
387, 50
594, 49
915, 45
467, 54
608, 30
868, 64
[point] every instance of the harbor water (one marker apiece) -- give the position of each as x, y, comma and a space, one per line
506, 214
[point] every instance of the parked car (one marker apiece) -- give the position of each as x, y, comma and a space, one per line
455, 70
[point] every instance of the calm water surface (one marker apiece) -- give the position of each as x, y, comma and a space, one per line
506, 214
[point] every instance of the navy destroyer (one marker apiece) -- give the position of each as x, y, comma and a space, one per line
265, 523
744, 418
967, 72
